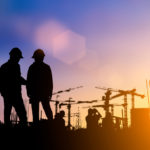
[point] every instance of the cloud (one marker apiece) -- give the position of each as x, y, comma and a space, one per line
45, 33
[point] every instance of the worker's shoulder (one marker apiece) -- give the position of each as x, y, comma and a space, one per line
36, 65
3, 66
46, 65
31, 66
10, 64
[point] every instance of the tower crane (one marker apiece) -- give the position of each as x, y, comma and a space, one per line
59, 92
125, 93
110, 105
67, 90
107, 97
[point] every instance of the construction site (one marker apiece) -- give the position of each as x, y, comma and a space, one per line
130, 116
130, 131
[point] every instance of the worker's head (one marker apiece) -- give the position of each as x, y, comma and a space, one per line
38, 55
15, 54
62, 113
90, 111
94, 110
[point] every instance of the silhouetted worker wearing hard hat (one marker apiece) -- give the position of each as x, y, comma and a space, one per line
40, 85
11, 82
92, 119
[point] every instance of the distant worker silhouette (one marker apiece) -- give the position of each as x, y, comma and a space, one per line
108, 122
11, 81
92, 119
40, 85
59, 120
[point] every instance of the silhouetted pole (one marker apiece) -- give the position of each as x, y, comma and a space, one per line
78, 119
56, 104
106, 99
69, 112
56, 107
122, 117
132, 100
125, 111
112, 110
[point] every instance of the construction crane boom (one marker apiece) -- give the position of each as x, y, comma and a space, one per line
125, 93
67, 90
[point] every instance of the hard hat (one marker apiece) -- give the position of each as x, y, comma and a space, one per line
16, 52
38, 53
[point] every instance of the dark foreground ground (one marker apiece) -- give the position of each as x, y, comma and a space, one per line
48, 137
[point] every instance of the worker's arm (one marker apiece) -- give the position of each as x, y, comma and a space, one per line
21, 79
50, 82
29, 82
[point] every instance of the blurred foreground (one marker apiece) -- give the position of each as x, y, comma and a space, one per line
47, 136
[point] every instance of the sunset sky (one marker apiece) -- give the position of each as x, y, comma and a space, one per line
89, 43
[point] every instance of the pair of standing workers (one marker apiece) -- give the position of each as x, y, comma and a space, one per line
39, 86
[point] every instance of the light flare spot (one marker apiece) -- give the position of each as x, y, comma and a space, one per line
65, 45
45, 33
69, 47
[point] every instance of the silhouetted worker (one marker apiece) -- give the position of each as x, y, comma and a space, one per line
59, 120
89, 119
107, 122
40, 85
96, 117
92, 119
11, 81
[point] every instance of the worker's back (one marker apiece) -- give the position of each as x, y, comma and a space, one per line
10, 79
40, 83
